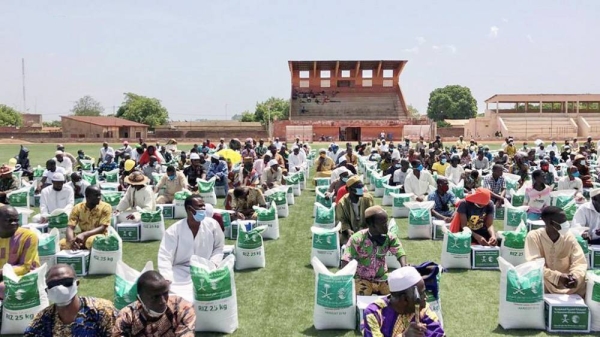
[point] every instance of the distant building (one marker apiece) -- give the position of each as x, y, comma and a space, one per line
210, 129
102, 128
32, 120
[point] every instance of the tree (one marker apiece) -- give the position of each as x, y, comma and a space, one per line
248, 116
451, 102
412, 111
10, 116
271, 108
87, 106
142, 109
53, 124
236, 117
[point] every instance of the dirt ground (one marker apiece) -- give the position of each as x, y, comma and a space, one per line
13, 141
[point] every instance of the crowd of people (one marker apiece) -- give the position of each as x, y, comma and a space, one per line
150, 175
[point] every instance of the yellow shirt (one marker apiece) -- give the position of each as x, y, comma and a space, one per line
440, 168
20, 251
511, 151
90, 219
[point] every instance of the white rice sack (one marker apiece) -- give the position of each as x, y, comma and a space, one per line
458, 189
59, 219
322, 181
111, 176
583, 243
379, 182
19, 198
391, 261
179, 200
107, 250
321, 199
290, 195
153, 225
112, 198
512, 182
293, 180
48, 246
215, 298
399, 210
126, 283
86, 164
91, 178
326, 245
456, 249
592, 298
419, 219
335, 302
388, 199
24, 297
561, 198
206, 189
268, 217
279, 195
512, 248
518, 197
514, 216
249, 248
324, 216
522, 295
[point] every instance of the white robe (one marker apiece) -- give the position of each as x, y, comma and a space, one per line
178, 245
144, 199
51, 200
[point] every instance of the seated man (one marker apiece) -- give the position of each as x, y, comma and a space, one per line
369, 247
79, 185
400, 175
565, 268
156, 313
323, 165
477, 213
173, 182
547, 173
296, 160
8, 183
92, 217
418, 181
138, 194
247, 175
496, 184
108, 164
18, 245
455, 171
472, 180
56, 197
501, 158
350, 211
480, 162
443, 199
64, 162
82, 156
151, 167
71, 314
394, 314
48, 175
271, 176
588, 215
195, 235
336, 184
218, 169
440, 166
571, 181
244, 198
194, 172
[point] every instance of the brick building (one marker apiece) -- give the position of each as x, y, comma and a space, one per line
102, 128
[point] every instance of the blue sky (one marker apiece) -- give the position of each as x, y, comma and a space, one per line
205, 59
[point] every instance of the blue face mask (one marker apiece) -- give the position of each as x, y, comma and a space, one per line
344, 180
576, 174
420, 167
172, 177
398, 165
443, 161
199, 215
359, 191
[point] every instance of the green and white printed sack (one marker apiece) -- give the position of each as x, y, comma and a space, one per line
335, 302
419, 219
302, 178
322, 200
391, 260
561, 198
379, 185
324, 216
86, 165
279, 196
112, 198
206, 189
513, 216
323, 181
399, 210
518, 197
290, 195
78, 259
511, 181
112, 176
294, 181
179, 200
570, 209
388, 190
48, 246
268, 217
592, 298
583, 243
18, 175
249, 248
522, 295
126, 283
156, 177
19, 198
59, 219
38, 173
215, 298
456, 249
513, 245
458, 189
24, 297
107, 250
326, 245
153, 225
91, 178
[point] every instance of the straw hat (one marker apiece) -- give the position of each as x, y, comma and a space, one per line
4, 169
136, 178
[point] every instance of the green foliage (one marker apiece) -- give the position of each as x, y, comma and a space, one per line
87, 106
412, 111
10, 116
443, 124
451, 102
247, 116
236, 117
53, 124
142, 109
271, 109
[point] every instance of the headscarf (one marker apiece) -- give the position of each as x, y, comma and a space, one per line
481, 196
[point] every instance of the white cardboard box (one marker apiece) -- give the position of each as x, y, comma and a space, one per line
594, 257
168, 210
78, 259
484, 257
566, 313
438, 234
535, 224
362, 302
129, 231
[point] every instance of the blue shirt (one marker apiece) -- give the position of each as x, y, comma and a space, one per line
217, 170
441, 202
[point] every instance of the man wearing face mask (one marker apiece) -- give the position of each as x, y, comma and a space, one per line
588, 215
48, 175
350, 211
78, 185
565, 264
197, 234
156, 313
138, 194
336, 184
584, 171
455, 171
323, 164
369, 247
71, 315
296, 160
394, 315
443, 199
419, 181
440, 166
173, 182
477, 213
271, 176
400, 174
56, 197
218, 169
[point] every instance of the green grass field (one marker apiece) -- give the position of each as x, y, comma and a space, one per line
278, 300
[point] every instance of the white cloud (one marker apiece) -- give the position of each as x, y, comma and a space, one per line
420, 40
436, 48
445, 48
529, 38
451, 48
504, 20
494, 31
414, 50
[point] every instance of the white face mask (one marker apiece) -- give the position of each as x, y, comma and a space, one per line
61, 295
79, 183
564, 228
151, 313
582, 162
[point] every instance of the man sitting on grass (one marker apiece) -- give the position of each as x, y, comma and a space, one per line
138, 195
477, 213
369, 247
244, 199
350, 211
588, 215
92, 217
443, 199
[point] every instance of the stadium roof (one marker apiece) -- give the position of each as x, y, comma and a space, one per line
104, 121
518, 98
345, 65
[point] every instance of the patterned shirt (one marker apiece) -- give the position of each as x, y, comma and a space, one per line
382, 320
20, 251
493, 185
179, 320
89, 219
96, 317
371, 258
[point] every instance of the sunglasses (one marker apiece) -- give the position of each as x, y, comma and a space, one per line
67, 282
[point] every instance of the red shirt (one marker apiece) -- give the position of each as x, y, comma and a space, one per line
341, 192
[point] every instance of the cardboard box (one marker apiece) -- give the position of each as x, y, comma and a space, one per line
362, 302
78, 259
484, 257
438, 234
250, 224
535, 224
594, 257
226, 215
499, 213
129, 231
566, 313
168, 210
